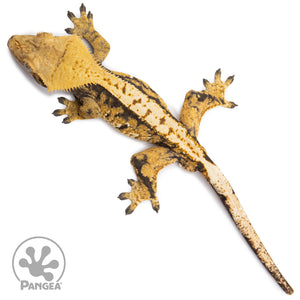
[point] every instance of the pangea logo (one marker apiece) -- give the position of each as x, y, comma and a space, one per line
39, 264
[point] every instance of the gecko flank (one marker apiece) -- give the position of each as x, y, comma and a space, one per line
133, 108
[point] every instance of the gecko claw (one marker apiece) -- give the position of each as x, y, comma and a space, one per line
59, 112
232, 105
155, 207
229, 80
131, 182
218, 75
62, 100
66, 120
70, 15
206, 83
82, 8
129, 210
122, 196
90, 15
69, 30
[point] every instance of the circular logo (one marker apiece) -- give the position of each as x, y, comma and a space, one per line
38, 261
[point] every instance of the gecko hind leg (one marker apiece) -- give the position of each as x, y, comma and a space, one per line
84, 28
146, 165
197, 103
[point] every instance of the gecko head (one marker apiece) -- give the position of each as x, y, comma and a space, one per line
56, 62
38, 54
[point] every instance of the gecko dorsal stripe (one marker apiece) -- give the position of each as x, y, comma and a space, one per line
151, 112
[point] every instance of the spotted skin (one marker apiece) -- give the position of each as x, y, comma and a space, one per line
134, 109
146, 165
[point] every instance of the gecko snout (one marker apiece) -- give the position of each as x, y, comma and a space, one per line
10, 42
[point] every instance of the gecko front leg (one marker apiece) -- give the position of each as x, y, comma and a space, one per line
78, 109
146, 165
84, 28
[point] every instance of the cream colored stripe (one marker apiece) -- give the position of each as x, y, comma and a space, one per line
151, 112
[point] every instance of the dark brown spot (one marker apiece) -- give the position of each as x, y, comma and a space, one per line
148, 112
136, 101
162, 120
123, 127
107, 80
171, 130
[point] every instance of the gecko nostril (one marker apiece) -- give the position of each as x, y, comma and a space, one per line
10, 41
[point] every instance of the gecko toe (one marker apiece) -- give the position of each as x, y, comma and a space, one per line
229, 80
218, 75
129, 210
82, 8
59, 112
233, 105
62, 100
69, 30
131, 182
206, 83
67, 120
70, 15
155, 207
123, 196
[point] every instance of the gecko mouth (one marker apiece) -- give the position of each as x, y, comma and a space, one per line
19, 50
38, 79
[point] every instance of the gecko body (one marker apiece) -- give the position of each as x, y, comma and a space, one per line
134, 109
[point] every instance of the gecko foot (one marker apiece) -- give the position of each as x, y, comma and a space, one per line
82, 25
218, 87
71, 110
139, 193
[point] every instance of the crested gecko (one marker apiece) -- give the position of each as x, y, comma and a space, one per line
134, 109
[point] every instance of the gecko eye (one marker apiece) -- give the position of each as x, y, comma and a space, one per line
27, 67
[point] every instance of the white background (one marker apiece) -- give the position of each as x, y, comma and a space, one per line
62, 181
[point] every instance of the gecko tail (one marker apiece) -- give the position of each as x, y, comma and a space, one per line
225, 192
